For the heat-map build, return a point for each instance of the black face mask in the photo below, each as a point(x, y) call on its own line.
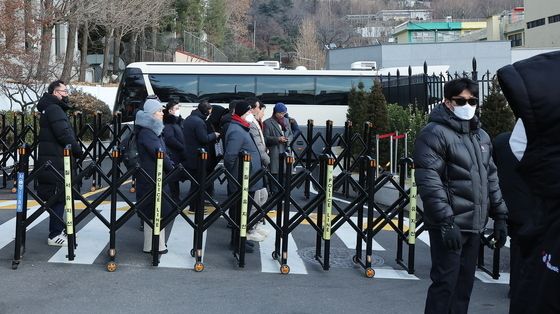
point(65, 100)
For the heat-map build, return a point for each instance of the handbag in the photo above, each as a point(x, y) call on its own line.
point(219, 148)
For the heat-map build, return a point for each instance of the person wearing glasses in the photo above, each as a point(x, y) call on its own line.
point(55, 134)
point(458, 183)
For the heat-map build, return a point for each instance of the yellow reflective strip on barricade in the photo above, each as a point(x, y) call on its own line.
point(68, 202)
point(244, 198)
point(328, 204)
point(412, 212)
point(159, 185)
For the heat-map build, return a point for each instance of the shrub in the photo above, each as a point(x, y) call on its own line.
point(495, 114)
point(357, 106)
point(89, 105)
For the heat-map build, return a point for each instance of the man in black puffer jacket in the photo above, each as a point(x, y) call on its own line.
point(458, 184)
point(531, 88)
point(54, 134)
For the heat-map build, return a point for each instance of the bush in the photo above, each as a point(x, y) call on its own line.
point(89, 105)
point(495, 114)
point(7, 131)
point(407, 119)
point(357, 106)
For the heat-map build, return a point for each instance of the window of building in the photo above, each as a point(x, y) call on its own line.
point(516, 40)
point(535, 23)
point(554, 19)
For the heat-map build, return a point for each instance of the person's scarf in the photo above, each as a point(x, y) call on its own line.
point(241, 121)
point(282, 122)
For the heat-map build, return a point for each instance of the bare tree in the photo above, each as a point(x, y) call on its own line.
point(237, 17)
point(121, 17)
point(51, 13)
point(308, 49)
point(332, 27)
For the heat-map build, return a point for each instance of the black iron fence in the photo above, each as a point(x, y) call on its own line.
point(350, 173)
point(426, 90)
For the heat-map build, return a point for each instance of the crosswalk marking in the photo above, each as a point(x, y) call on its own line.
point(8, 229)
point(179, 244)
point(269, 265)
point(484, 277)
point(91, 239)
point(390, 273)
point(348, 235)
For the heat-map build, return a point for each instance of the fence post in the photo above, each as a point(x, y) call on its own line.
point(412, 222)
point(115, 154)
point(284, 268)
point(398, 85)
point(409, 84)
point(199, 211)
point(425, 87)
point(157, 207)
point(347, 155)
point(243, 204)
point(69, 202)
point(21, 206)
point(474, 74)
point(328, 186)
point(328, 137)
point(371, 177)
point(308, 157)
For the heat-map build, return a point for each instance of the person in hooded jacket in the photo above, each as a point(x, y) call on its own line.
point(531, 89)
point(196, 136)
point(174, 140)
point(149, 128)
point(458, 183)
point(54, 135)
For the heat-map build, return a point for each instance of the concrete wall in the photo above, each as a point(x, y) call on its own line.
point(490, 55)
point(547, 35)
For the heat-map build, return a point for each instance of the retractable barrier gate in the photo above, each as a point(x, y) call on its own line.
point(329, 164)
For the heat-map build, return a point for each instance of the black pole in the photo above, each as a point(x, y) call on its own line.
point(309, 156)
point(21, 206)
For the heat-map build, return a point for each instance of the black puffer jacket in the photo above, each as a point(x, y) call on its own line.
point(54, 134)
point(455, 173)
point(195, 132)
point(535, 98)
point(173, 137)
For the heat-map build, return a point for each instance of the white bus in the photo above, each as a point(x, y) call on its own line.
point(308, 94)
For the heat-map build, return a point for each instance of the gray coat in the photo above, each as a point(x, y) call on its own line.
point(238, 139)
point(255, 132)
point(272, 131)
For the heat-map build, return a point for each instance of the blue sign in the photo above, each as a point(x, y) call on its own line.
point(20, 188)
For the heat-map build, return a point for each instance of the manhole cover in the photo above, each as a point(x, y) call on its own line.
point(339, 257)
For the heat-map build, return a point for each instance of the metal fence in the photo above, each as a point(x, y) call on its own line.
point(351, 173)
point(426, 90)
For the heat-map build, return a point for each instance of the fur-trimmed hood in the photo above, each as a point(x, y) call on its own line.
point(148, 121)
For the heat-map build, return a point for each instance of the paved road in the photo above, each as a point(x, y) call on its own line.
point(46, 282)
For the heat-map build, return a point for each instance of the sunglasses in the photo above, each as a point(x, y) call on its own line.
point(460, 101)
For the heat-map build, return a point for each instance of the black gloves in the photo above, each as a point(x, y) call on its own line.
point(451, 234)
point(500, 231)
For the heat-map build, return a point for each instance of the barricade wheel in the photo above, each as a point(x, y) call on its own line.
point(15, 265)
point(111, 266)
point(355, 259)
point(92, 189)
point(132, 190)
point(192, 252)
point(370, 272)
point(14, 190)
point(198, 267)
point(285, 269)
point(274, 255)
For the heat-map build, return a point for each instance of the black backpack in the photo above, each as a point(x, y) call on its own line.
point(129, 151)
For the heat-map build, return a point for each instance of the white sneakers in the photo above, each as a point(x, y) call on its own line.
point(259, 228)
point(59, 240)
point(252, 235)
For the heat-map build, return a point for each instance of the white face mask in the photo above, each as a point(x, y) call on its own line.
point(250, 118)
point(465, 112)
point(177, 113)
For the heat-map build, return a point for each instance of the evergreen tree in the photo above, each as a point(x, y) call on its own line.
point(215, 23)
point(495, 114)
point(357, 106)
point(377, 113)
point(189, 16)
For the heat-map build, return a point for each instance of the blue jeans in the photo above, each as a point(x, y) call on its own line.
point(56, 224)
